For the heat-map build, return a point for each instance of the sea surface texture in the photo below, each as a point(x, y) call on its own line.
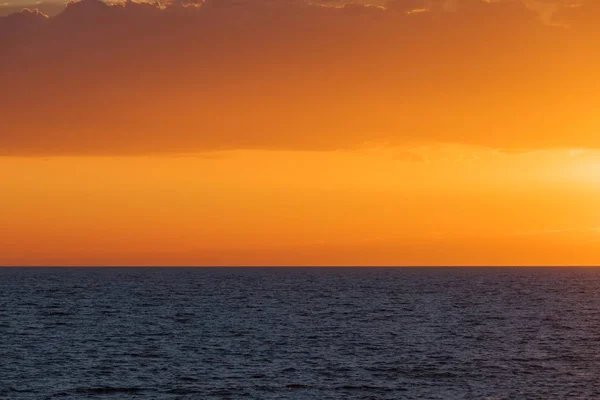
point(299, 333)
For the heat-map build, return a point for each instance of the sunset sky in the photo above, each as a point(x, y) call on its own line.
point(291, 132)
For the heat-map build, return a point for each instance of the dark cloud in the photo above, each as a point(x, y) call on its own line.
point(223, 74)
point(9, 8)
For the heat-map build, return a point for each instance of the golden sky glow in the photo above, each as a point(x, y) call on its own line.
point(287, 133)
point(378, 206)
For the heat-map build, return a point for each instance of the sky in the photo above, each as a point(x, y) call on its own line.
point(287, 132)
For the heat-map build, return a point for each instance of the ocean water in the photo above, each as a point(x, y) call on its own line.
point(299, 333)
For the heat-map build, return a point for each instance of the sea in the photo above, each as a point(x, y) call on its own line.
point(299, 333)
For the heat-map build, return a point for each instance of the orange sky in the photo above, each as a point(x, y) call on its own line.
point(286, 133)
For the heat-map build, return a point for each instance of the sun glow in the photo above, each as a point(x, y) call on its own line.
point(385, 205)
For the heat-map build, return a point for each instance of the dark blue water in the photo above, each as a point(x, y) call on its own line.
point(299, 333)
